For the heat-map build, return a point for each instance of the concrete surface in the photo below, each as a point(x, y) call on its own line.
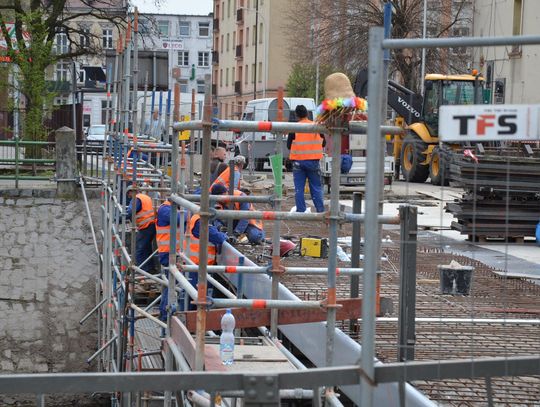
point(512, 259)
point(47, 284)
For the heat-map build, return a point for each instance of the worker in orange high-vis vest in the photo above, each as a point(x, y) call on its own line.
point(145, 221)
point(251, 228)
point(306, 151)
point(225, 177)
point(163, 238)
point(215, 241)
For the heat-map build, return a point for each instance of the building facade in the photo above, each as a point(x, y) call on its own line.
point(249, 52)
point(511, 72)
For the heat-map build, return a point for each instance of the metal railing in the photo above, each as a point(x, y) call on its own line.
point(27, 160)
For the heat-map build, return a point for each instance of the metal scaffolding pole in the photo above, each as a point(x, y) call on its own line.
point(372, 240)
point(203, 227)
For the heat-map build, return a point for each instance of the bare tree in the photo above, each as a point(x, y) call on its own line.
point(338, 32)
point(46, 32)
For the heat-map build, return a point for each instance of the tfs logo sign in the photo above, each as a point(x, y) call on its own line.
point(504, 124)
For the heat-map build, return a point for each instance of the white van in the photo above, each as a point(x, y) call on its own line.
point(264, 142)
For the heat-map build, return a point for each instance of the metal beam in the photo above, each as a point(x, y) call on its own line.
point(455, 369)
point(252, 318)
point(460, 42)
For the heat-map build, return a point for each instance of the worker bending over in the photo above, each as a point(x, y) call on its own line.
point(145, 217)
point(163, 238)
point(251, 228)
point(225, 177)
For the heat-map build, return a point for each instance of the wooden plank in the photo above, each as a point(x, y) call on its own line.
point(351, 308)
point(183, 339)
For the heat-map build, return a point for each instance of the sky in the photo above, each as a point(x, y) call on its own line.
point(200, 7)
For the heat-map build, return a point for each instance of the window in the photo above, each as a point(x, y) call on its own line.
point(254, 35)
point(84, 37)
point(246, 76)
point(517, 28)
point(223, 10)
point(163, 28)
point(200, 86)
point(183, 85)
point(252, 73)
point(62, 71)
point(107, 38)
point(222, 44)
point(247, 37)
point(260, 33)
point(184, 28)
point(220, 78)
point(460, 32)
point(204, 29)
point(204, 59)
point(228, 38)
point(145, 27)
point(234, 40)
point(183, 58)
point(228, 8)
point(259, 79)
point(227, 77)
point(233, 77)
point(61, 43)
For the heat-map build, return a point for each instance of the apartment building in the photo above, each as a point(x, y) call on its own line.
point(511, 72)
point(249, 52)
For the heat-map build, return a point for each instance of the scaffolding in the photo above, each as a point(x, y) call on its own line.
point(133, 161)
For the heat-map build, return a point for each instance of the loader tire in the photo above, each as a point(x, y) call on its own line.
point(412, 157)
point(439, 167)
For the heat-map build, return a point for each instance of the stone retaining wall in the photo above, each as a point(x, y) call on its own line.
point(48, 270)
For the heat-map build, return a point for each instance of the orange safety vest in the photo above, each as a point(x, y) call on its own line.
point(306, 146)
point(194, 244)
point(255, 222)
point(146, 216)
point(225, 178)
point(163, 235)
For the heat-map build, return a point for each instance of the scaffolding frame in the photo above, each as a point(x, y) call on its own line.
point(118, 273)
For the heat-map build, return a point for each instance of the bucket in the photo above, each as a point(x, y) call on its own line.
point(455, 280)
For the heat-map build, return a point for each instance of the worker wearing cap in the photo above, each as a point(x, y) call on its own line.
point(145, 221)
point(306, 150)
point(163, 237)
point(225, 176)
point(251, 228)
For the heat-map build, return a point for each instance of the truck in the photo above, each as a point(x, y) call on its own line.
point(262, 144)
point(355, 145)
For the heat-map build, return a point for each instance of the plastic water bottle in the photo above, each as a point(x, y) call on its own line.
point(226, 340)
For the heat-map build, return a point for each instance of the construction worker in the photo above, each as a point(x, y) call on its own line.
point(224, 177)
point(145, 221)
point(219, 157)
point(215, 240)
point(251, 228)
point(306, 152)
point(163, 236)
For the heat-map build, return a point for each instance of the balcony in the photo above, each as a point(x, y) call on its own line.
point(238, 87)
point(215, 57)
point(216, 24)
point(239, 16)
point(239, 53)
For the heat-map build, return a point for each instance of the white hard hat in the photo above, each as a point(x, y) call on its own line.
point(240, 159)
